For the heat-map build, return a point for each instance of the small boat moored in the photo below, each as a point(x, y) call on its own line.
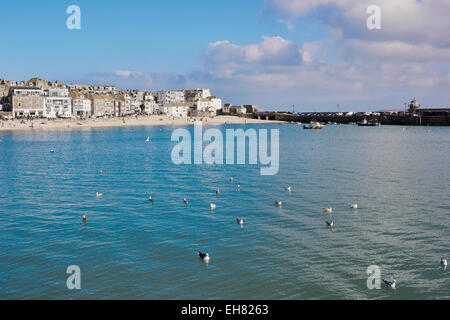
point(365, 123)
point(314, 126)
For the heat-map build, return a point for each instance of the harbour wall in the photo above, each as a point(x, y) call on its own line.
point(383, 119)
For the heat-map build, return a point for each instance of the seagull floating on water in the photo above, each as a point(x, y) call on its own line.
point(390, 283)
point(204, 256)
point(186, 202)
point(148, 139)
point(150, 199)
point(239, 187)
point(99, 195)
point(330, 223)
point(212, 206)
point(84, 219)
point(52, 151)
point(240, 221)
point(218, 191)
point(279, 203)
point(354, 206)
point(328, 210)
point(288, 188)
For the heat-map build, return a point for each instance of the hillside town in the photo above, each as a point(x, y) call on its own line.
point(38, 98)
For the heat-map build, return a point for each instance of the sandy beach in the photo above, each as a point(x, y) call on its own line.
point(153, 120)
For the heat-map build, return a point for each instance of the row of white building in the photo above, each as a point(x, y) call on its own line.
point(36, 99)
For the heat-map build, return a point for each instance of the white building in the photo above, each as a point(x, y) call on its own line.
point(135, 104)
point(100, 89)
point(176, 109)
point(169, 97)
point(57, 103)
point(151, 107)
point(226, 108)
point(81, 104)
point(210, 104)
point(241, 110)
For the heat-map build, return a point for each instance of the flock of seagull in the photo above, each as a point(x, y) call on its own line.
point(206, 257)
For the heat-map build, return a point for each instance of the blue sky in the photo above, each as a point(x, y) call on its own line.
point(140, 35)
point(273, 53)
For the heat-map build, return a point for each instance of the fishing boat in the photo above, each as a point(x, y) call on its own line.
point(314, 125)
point(365, 123)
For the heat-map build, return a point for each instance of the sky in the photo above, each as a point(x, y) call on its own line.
point(278, 54)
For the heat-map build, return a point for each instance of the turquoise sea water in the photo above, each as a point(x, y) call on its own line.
point(130, 249)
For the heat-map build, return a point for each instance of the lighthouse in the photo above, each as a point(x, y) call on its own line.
point(414, 107)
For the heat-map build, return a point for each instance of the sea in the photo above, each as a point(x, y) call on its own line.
point(133, 249)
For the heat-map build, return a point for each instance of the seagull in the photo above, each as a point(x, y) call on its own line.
point(354, 206)
point(240, 221)
point(204, 256)
point(212, 206)
point(186, 202)
point(288, 188)
point(52, 151)
point(443, 262)
point(239, 187)
point(328, 210)
point(150, 199)
point(390, 283)
point(218, 191)
point(99, 195)
point(279, 203)
point(84, 219)
point(330, 223)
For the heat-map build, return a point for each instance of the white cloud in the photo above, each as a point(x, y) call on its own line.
point(272, 50)
point(128, 73)
point(396, 51)
point(410, 55)
point(411, 21)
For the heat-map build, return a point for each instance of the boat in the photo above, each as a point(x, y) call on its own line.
point(314, 125)
point(365, 123)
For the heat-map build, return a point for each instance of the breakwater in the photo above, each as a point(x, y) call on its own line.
point(383, 119)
